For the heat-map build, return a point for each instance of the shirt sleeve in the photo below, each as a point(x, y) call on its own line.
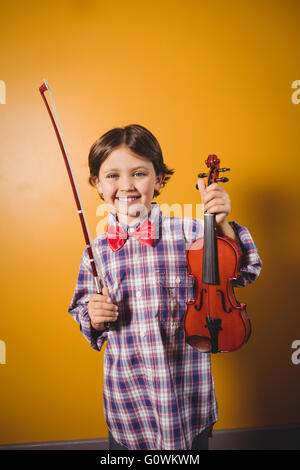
point(251, 263)
point(85, 287)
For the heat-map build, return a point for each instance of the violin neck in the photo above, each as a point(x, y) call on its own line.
point(210, 269)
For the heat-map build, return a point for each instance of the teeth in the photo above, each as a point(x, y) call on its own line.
point(127, 199)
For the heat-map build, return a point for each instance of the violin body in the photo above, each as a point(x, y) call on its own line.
point(215, 321)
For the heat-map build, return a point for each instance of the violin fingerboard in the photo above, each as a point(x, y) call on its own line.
point(210, 269)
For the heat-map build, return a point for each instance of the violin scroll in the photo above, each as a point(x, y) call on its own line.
point(213, 162)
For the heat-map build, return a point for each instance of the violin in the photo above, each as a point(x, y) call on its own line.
point(215, 321)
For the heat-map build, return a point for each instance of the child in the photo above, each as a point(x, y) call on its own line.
point(158, 390)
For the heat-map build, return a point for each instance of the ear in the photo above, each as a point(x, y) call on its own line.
point(96, 183)
point(159, 180)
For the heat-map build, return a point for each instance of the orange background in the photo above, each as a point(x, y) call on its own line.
point(204, 78)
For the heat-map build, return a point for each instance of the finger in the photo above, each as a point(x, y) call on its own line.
point(104, 312)
point(104, 317)
point(215, 187)
point(209, 196)
point(105, 294)
point(104, 306)
point(99, 323)
point(105, 291)
point(101, 301)
point(96, 298)
point(218, 209)
point(201, 188)
point(216, 202)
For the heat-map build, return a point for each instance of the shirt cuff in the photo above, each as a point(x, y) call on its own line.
point(251, 264)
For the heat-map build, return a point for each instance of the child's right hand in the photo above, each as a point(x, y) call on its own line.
point(101, 310)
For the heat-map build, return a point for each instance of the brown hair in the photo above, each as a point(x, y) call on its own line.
point(138, 139)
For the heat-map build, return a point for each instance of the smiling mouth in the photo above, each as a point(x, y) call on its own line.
point(127, 199)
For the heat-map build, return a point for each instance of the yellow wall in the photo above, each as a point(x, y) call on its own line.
point(204, 77)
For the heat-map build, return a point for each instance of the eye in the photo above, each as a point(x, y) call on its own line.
point(139, 173)
point(112, 175)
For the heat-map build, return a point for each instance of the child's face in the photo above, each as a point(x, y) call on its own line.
point(127, 182)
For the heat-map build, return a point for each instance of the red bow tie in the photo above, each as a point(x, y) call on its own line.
point(116, 236)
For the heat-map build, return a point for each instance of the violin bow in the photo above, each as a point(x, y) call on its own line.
point(86, 231)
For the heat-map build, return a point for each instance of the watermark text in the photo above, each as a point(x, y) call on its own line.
point(296, 94)
point(2, 352)
point(295, 358)
point(2, 92)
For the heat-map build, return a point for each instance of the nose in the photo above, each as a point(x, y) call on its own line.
point(126, 184)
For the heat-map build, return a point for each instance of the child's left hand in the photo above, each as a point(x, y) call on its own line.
point(216, 201)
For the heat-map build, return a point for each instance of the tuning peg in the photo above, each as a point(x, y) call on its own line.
point(221, 180)
point(224, 169)
point(202, 175)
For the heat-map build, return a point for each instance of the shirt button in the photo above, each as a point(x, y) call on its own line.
point(136, 257)
point(149, 372)
point(143, 332)
point(177, 280)
point(139, 294)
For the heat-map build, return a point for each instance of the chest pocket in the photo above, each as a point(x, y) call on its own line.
point(116, 283)
point(176, 288)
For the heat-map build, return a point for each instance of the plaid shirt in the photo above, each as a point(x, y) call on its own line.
point(158, 390)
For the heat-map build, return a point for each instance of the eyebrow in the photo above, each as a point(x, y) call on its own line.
point(135, 168)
